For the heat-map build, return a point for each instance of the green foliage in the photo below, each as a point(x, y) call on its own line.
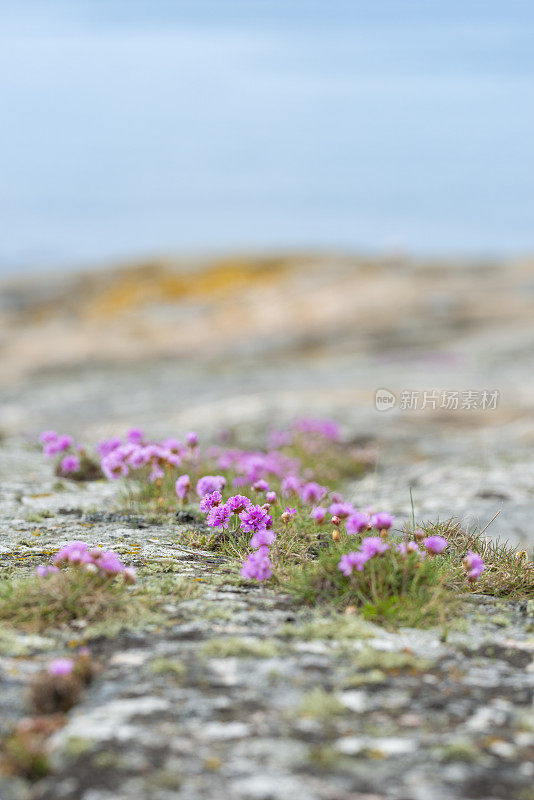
point(105, 606)
point(508, 572)
point(390, 590)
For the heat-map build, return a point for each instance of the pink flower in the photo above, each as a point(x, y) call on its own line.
point(61, 667)
point(271, 498)
point(341, 510)
point(381, 521)
point(257, 566)
point(291, 485)
point(374, 546)
point(254, 519)
point(47, 437)
point(73, 553)
point(435, 544)
point(135, 435)
point(70, 464)
point(260, 486)
point(109, 563)
point(183, 486)
point(210, 501)
point(407, 547)
point(474, 565)
point(351, 560)
point(210, 483)
point(156, 474)
point(191, 439)
point(312, 492)
point(57, 444)
point(43, 571)
point(108, 445)
point(326, 428)
point(218, 517)
point(129, 574)
point(113, 464)
point(356, 523)
point(262, 537)
point(238, 503)
point(318, 514)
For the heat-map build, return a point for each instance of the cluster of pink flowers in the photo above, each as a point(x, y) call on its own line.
point(326, 428)
point(253, 466)
point(371, 546)
point(56, 443)
point(104, 563)
point(120, 458)
point(251, 518)
point(434, 545)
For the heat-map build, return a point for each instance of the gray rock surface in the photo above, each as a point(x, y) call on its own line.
point(238, 698)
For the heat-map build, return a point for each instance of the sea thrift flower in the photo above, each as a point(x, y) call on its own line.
point(174, 445)
point(210, 501)
point(312, 492)
point(210, 483)
point(356, 523)
point(109, 563)
point(381, 521)
point(435, 544)
point(374, 546)
point(156, 474)
point(130, 575)
point(351, 560)
point(291, 485)
point(474, 565)
point(113, 465)
point(341, 510)
point(404, 548)
point(238, 503)
point(191, 439)
point(327, 428)
point(135, 435)
point(43, 571)
point(254, 519)
point(183, 486)
point(106, 446)
point(218, 517)
point(257, 566)
point(260, 486)
point(48, 436)
point(271, 497)
point(318, 514)
point(64, 442)
point(263, 537)
point(57, 445)
point(61, 667)
point(70, 464)
point(73, 553)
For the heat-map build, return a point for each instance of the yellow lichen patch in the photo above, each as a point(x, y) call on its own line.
point(138, 287)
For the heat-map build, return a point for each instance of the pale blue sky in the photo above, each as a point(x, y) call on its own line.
point(137, 128)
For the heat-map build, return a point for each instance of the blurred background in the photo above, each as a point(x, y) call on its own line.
point(229, 211)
